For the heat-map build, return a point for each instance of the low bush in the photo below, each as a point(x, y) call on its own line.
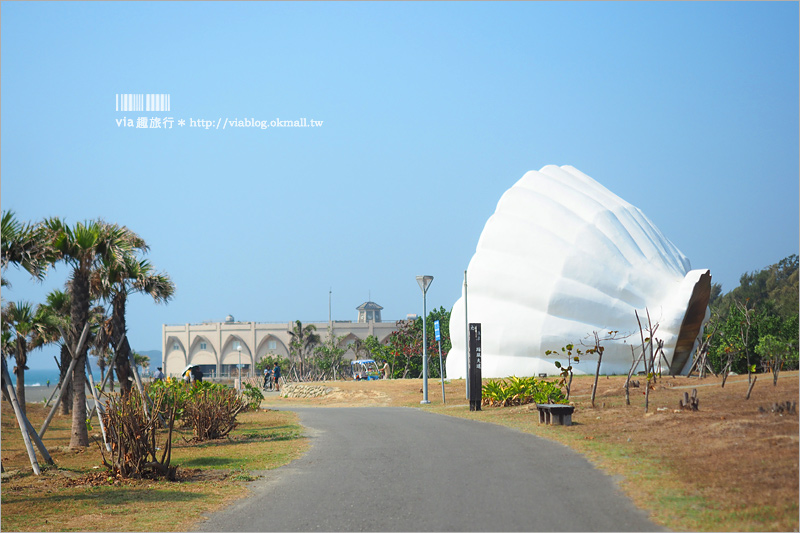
point(177, 393)
point(134, 438)
point(520, 391)
point(252, 397)
point(212, 411)
point(181, 393)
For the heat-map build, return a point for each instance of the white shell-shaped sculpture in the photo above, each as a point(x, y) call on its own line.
point(563, 257)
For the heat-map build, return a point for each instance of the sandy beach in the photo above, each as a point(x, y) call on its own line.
point(38, 393)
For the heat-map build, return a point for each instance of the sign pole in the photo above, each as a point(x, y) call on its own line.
point(475, 367)
point(441, 367)
point(466, 336)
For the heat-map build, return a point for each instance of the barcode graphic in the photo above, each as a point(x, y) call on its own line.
point(143, 102)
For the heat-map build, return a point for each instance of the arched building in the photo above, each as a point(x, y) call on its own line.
point(215, 346)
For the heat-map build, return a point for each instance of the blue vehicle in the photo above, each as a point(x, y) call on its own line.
point(365, 369)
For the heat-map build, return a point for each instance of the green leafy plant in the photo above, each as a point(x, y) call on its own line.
point(520, 391)
point(253, 396)
point(242, 475)
point(175, 395)
point(269, 360)
point(566, 371)
point(184, 397)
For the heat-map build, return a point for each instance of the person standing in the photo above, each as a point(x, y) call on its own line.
point(276, 375)
point(159, 375)
point(386, 370)
point(267, 379)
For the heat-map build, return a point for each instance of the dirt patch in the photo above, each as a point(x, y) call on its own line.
point(360, 397)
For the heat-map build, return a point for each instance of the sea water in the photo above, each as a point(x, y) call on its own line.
point(37, 377)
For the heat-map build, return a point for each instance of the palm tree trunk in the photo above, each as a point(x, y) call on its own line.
point(20, 373)
point(79, 437)
point(101, 364)
point(66, 358)
point(124, 372)
point(21, 358)
point(123, 351)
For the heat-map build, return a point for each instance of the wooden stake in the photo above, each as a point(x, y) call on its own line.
point(97, 404)
point(6, 379)
point(67, 377)
point(145, 398)
point(35, 436)
point(111, 364)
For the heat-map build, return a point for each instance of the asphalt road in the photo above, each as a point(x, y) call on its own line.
point(402, 469)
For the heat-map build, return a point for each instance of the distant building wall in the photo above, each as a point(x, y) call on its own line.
point(214, 345)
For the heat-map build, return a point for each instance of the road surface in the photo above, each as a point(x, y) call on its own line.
point(403, 469)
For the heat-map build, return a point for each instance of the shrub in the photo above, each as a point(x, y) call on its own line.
point(520, 391)
point(134, 438)
point(177, 393)
point(252, 396)
point(212, 411)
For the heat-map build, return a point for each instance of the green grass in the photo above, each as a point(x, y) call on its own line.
point(264, 441)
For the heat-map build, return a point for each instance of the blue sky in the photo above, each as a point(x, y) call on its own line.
point(430, 112)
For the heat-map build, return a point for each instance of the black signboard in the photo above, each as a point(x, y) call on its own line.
point(475, 385)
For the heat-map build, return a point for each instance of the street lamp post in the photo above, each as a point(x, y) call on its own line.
point(239, 347)
point(424, 283)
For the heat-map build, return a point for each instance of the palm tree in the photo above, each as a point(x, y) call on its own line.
point(100, 336)
point(304, 338)
point(114, 281)
point(83, 247)
point(140, 359)
point(25, 325)
point(59, 304)
point(22, 245)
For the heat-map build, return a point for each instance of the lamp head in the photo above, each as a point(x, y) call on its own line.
point(424, 282)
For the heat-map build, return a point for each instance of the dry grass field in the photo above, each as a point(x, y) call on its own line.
point(726, 467)
point(78, 494)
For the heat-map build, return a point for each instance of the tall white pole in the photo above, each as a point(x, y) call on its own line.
point(239, 347)
point(424, 283)
point(424, 350)
point(466, 335)
point(441, 372)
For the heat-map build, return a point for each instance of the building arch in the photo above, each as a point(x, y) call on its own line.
point(385, 339)
point(204, 357)
point(230, 355)
point(175, 357)
point(200, 355)
point(349, 339)
point(265, 347)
